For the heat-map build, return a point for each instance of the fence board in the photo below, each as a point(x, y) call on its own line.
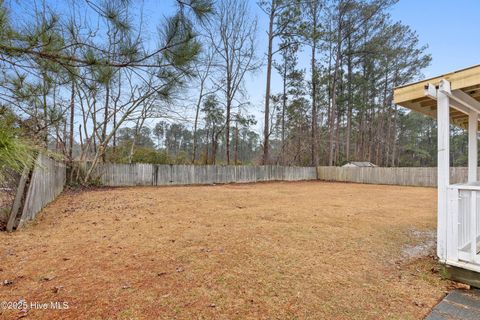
point(145, 174)
point(423, 177)
point(47, 182)
point(18, 200)
point(112, 174)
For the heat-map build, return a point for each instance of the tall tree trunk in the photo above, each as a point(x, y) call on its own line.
point(284, 107)
point(195, 124)
point(214, 147)
point(114, 139)
point(57, 138)
point(132, 149)
point(394, 137)
point(266, 128)
point(335, 80)
point(136, 136)
point(349, 100)
point(337, 139)
point(105, 121)
point(313, 66)
point(115, 105)
point(72, 122)
point(45, 112)
point(236, 144)
point(383, 135)
point(313, 146)
point(227, 131)
point(206, 147)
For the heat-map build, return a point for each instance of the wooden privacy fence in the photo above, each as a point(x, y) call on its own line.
point(424, 177)
point(111, 174)
point(45, 184)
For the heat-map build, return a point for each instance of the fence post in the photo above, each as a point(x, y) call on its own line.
point(18, 199)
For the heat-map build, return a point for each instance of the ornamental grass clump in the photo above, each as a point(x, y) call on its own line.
point(15, 153)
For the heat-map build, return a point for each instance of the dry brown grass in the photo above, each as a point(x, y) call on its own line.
point(306, 250)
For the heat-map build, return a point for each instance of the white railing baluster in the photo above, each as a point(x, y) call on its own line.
point(473, 226)
point(453, 246)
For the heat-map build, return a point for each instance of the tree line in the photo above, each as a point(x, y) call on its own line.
point(94, 80)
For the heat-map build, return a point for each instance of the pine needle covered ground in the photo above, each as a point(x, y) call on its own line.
point(303, 250)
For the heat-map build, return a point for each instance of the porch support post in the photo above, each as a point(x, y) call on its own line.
point(472, 146)
point(443, 166)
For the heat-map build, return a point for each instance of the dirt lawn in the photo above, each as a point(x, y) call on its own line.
point(303, 250)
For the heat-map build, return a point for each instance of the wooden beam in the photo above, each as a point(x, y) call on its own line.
point(460, 79)
point(467, 100)
point(429, 103)
point(462, 275)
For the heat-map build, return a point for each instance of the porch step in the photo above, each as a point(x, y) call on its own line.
point(458, 305)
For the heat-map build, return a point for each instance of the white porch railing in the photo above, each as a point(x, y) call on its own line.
point(463, 225)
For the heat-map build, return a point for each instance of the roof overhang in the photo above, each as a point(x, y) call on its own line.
point(463, 84)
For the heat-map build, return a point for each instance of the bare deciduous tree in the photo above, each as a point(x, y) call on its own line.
point(232, 34)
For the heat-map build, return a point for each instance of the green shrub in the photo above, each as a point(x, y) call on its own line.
point(15, 152)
